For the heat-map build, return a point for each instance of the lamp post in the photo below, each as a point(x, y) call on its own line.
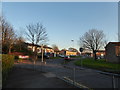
point(43, 55)
point(74, 66)
point(73, 43)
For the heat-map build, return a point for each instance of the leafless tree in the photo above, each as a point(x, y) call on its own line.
point(93, 40)
point(8, 35)
point(36, 33)
point(55, 48)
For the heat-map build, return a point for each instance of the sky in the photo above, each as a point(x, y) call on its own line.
point(64, 21)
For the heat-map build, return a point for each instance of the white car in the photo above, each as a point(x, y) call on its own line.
point(62, 56)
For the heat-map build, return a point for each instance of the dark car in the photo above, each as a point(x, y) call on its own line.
point(44, 56)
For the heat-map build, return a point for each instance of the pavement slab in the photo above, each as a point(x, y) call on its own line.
point(24, 78)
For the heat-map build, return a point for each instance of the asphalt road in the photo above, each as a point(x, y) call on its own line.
point(84, 76)
point(87, 77)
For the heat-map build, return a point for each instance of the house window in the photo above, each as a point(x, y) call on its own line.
point(117, 50)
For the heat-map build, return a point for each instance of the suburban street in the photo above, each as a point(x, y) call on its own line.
point(82, 77)
point(60, 45)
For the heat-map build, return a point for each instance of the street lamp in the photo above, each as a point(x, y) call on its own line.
point(73, 43)
point(42, 54)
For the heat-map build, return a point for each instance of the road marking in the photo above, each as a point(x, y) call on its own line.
point(75, 83)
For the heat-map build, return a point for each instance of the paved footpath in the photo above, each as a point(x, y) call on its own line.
point(85, 77)
point(28, 78)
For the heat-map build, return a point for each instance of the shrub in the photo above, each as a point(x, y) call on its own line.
point(16, 57)
point(7, 64)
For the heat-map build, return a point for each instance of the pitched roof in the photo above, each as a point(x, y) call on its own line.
point(116, 43)
point(38, 45)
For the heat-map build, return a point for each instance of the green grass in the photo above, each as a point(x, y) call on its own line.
point(55, 57)
point(100, 64)
point(75, 56)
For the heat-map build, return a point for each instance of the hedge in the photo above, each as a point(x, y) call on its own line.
point(7, 64)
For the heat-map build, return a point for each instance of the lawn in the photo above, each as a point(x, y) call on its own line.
point(55, 57)
point(100, 64)
point(75, 56)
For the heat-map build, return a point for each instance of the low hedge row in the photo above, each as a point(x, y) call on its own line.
point(7, 64)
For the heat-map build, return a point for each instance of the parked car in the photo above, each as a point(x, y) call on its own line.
point(67, 58)
point(62, 56)
point(44, 56)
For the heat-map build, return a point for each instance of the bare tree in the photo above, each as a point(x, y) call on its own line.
point(55, 48)
point(93, 40)
point(36, 33)
point(8, 35)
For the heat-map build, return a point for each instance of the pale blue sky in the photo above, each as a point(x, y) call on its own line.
point(65, 21)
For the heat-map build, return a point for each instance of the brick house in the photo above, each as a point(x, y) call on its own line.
point(112, 51)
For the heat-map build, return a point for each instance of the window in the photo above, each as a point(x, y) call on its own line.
point(117, 50)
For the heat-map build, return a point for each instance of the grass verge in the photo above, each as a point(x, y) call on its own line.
point(55, 57)
point(100, 64)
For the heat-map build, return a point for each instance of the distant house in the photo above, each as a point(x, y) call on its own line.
point(87, 53)
point(113, 52)
point(47, 50)
point(100, 54)
point(68, 53)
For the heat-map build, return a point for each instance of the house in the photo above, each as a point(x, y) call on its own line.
point(100, 54)
point(87, 53)
point(113, 52)
point(47, 50)
point(68, 53)
point(32, 47)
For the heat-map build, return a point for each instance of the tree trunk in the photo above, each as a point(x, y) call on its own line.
point(95, 56)
point(35, 53)
point(10, 49)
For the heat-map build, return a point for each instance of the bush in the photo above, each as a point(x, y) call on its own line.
point(16, 57)
point(7, 64)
